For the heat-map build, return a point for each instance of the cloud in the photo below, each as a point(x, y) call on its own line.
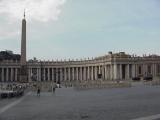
point(11, 13)
point(5, 34)
point(36, 10)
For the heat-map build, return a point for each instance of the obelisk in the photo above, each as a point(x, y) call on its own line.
point(23, 42)
point(23, 69)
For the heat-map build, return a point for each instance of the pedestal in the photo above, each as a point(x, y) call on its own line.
point(23, 74)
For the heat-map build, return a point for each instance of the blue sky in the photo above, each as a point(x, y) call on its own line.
point(85, 28)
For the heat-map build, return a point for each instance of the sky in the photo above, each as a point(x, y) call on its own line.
point(75, 29)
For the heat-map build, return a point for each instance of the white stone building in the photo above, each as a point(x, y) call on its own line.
point(118, 66)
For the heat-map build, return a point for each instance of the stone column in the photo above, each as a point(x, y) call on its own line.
point(73, 75)
point(152, 69)
point(56, 74)
point(37, 74)
point(127, 71)
point(52, 74)
point(2, 74)
point(108, 68)
point(69, 74)
point(65, 77)
point(44, 74)
point(29, 74)
point(60, 74)
point(144, 70)
point(85, 77)
point(48, 74)
point(80, 73)
point(136, 70)
point(88, 73)
point(77, 78)
point(120, 71)
point(155, 69)
point(11, 74)
point(40, 73)
point(7, 74)
point(115, 72)
point(95, 72)
point(91, 72)
point(37, 71)
point(133, 70)
point(105, 71)
point(16, 74)
point(111, 72)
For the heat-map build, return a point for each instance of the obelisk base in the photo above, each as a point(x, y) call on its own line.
point(23, 74)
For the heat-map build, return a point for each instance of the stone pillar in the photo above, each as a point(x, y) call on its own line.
point(2, 74)
point(12, 75)
point(30, 71)
point(133, 70)
point(44, 74)
point(88, 77)
point(56, 75)
point(37, 75)
point(136, 70)
point(40, 73)
point(69, 74)
point(48, 74)
point(16, 72)
point(80, 73)
point(61, 74)
point(65, 77)
point(115, 72)
point(108, 71)
point(29, 74)
point(127, 71)
point(91, 72)
point(152, 69)
point(120, 71)
point(155, 69)
point(111, 72)
point(85, 77)
point(144, 70)
point(77, 78)
point(52, 74)
point(7, 74)
point(73, 75)
point(95, 73)
point(105, 72)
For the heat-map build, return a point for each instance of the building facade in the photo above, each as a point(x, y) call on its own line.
point(114, 66)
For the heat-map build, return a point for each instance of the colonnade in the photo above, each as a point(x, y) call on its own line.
point(115, 71)
point(9, 74)
point(65, 73)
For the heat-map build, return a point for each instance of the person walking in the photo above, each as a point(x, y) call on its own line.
point(38, 91)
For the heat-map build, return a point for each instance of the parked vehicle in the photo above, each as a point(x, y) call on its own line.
point(148, 78)
point(136, 78)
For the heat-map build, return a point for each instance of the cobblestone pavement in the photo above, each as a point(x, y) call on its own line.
point(94, 104)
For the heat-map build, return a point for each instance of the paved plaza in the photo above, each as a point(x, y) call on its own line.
point(94, 104)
